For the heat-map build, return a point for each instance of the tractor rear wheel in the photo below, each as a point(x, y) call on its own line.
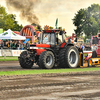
point(25, 61)
point(62, 63)
point(46, 60)
point(71, 57)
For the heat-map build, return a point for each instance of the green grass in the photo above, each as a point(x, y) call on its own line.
point(41, 71)
point(8, 58)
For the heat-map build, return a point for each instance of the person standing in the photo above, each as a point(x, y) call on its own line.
point(2, 44)
point(83, 47)
point(21, 45)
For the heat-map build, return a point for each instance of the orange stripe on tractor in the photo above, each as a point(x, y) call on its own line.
point(43, 45)
point(39, 51)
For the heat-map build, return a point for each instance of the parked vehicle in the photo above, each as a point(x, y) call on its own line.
point(95, 58)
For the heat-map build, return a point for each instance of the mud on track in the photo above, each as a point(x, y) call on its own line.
point(65, 86)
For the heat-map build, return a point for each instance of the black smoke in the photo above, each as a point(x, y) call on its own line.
point(26, 9)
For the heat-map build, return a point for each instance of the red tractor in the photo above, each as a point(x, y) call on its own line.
point(52, 50)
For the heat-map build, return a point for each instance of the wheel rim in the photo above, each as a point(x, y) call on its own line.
point(49, 60)
point(26, 59)
point(72, 58)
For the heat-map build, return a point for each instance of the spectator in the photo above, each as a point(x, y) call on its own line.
point(21, 46)
point(27, 44)
point(16, 45)
point(83, 47)
point(2, 44)
point(8, 44)
point(11, 44)
point(94, 48)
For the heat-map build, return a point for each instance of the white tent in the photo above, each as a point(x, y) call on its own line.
point(11, 35)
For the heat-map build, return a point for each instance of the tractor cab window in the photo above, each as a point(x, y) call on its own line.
point(59, 39)
point(49, 38)
point(46, 38)
point(52, 38)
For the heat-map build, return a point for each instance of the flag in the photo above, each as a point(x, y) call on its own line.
point(56, 23)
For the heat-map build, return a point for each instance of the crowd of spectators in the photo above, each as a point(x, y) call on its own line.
point(83, 46)
point(20, 45)
point(86, 47)
point(13, 44)
point(94, 47)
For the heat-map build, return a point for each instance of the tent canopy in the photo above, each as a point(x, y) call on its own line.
point(11, 35)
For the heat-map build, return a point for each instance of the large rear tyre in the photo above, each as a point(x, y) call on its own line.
point(62, 63)
point(46, 60)
point(25, 61)
point(71, 57)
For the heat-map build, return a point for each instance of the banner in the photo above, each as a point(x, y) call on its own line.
point(16, 52)
point(8, 52)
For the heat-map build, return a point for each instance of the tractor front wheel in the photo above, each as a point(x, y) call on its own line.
point(46, 60)
point(25, 61)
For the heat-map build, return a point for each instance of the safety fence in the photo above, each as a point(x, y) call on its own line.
point(9, 52)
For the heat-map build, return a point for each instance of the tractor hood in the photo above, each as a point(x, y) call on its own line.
point(43, 45)
point(39, 46)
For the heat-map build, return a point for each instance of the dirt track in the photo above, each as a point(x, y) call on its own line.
point(12, 65)
point(66, 86)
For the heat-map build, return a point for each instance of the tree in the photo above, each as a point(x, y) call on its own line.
point(87, 21)
point(8, 21)
point(51, 27)
point(38, 27)
point(79, 21)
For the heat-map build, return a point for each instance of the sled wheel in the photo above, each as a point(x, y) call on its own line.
point(90, 62)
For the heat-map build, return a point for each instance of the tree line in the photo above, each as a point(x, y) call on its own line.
point(87, 21)
point(8, 21)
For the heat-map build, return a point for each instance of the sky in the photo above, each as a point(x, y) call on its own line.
point(47, 11)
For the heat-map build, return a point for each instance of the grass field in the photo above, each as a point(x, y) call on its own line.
point(8, 58)
point(42, 71)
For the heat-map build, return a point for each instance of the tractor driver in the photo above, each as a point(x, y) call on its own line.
point(46, 39)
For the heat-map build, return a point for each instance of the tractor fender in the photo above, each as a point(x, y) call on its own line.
point(64, 45)
point(68, 44)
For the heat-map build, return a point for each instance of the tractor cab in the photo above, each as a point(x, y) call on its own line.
point(52, 37)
